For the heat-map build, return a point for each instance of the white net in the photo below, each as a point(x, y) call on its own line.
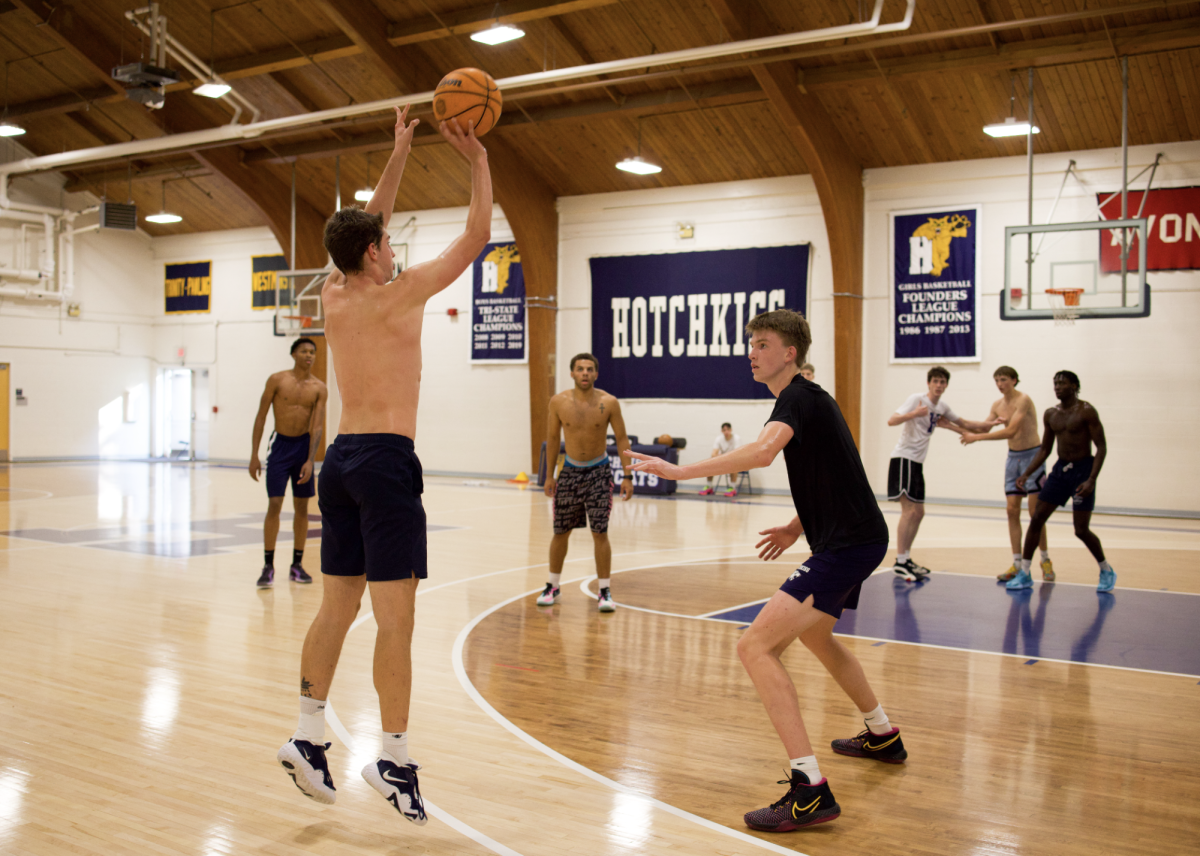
point(1064, 303)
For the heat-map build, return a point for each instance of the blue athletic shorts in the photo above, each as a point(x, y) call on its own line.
point(284, 459)
point(1015, 466)
point(834, 578)
point(1064, 479)
point(372, 519)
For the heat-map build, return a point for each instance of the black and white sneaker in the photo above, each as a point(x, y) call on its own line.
point(305, 763)
point(911, 571)
point(398, 784)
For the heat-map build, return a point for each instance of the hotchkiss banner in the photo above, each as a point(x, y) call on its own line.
point(262, 281)
point(673, 325)
point(935, 286)
point(498, 306)
point(188, 287)
point(1173, 230)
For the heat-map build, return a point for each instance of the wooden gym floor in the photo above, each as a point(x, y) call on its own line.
point(145, 684)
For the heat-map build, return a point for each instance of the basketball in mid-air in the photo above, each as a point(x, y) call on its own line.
point(468, 95)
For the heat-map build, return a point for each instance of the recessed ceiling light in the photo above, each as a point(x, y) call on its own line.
point(499, 34)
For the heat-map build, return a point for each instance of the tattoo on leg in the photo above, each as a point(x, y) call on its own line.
point(305, 687)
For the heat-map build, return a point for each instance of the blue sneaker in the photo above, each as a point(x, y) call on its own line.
point(305, 763)
point(1021, 581)
point(1108, 579)
point(398, 785)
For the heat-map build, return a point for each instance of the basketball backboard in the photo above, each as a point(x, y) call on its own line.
point(298, 302)
point(1087, 256)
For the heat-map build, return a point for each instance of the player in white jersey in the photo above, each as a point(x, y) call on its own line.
point(725, 443)
point(919, 414)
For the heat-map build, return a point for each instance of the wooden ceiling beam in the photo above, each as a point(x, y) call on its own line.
point(69, 31)
point(151, 172)
point(365, 25)
point(838, 179)
point(482, 17)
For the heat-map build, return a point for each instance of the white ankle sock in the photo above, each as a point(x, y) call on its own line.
point(395, 747)
point(1025, 563)
point(602, 584)
point(312, 720)
point(1105, 566)
point(877, 720)
point(555, 579)
point(902, 557)
point(1045, 555)
point(808, 766)
point(1016, 560)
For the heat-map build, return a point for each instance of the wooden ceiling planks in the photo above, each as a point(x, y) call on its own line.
point(933, 113)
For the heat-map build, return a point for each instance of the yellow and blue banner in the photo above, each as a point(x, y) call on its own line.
point(935, 286)
point(262, 281)
point(498, 329)
point(187, 287)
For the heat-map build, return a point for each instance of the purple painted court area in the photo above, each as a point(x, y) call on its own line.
point(1153, 630)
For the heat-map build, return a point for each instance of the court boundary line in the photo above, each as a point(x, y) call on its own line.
point(483, 704)
point(441, 814)
point(583, 587)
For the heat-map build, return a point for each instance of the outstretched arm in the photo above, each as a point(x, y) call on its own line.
point(383, 200)
point(900, 418)
point(760, 453)
point(428, 278)
point(260, 422)
point(1008, 431)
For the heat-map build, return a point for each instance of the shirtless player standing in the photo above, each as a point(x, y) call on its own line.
point(1076, 425)
point(1016, 411)
point(373, 524)
point(298, 399)
point(584, 487)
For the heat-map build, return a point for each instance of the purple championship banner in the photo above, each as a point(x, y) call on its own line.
point(935, 286)
point(498, 330)
point(672, 325)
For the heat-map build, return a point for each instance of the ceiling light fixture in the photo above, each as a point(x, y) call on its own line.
point(497, 34)
point(162, 216)
point(7, 128)
point(367, 192)
point(212, 89)
point(639, 165)
point(1010, 127)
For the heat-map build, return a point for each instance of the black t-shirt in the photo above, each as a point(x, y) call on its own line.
point(829, 486)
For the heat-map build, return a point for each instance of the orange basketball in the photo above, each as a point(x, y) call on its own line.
point(665, 440)
point(468, 95)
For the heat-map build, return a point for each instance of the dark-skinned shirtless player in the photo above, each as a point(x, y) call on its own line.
point(582, 492)
point(298, 400)
point(1075, 424)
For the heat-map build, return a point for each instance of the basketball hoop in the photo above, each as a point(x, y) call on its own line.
point(1064, 303)
point(306, 320)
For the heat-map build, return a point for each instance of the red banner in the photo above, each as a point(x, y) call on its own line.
point(1173, 228)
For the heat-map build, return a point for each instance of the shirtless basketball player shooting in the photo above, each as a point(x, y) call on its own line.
point(584, 487)
point(373, 524)
point(1016, 412)
point(298, 400)
point(1076, 426)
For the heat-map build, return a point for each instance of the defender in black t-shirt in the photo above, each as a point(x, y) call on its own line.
point(837, 512)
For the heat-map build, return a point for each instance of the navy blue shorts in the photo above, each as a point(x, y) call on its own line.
point(372, 520)
point(284, 459)
point(834, 578)
point(1064, 479)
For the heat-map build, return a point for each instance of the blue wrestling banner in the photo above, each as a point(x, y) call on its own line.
point(187, 287)
point(673, 325)
point(935, 286)
point(498, 306)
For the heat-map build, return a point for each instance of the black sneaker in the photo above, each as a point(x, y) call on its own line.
point(911, 571)
point(888, 748)
point(398, 784)
point(268, 577)
point(297, 574)
point(305, 763)
point(803, 805)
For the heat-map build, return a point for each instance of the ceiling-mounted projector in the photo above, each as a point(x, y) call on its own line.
point(143, 73)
